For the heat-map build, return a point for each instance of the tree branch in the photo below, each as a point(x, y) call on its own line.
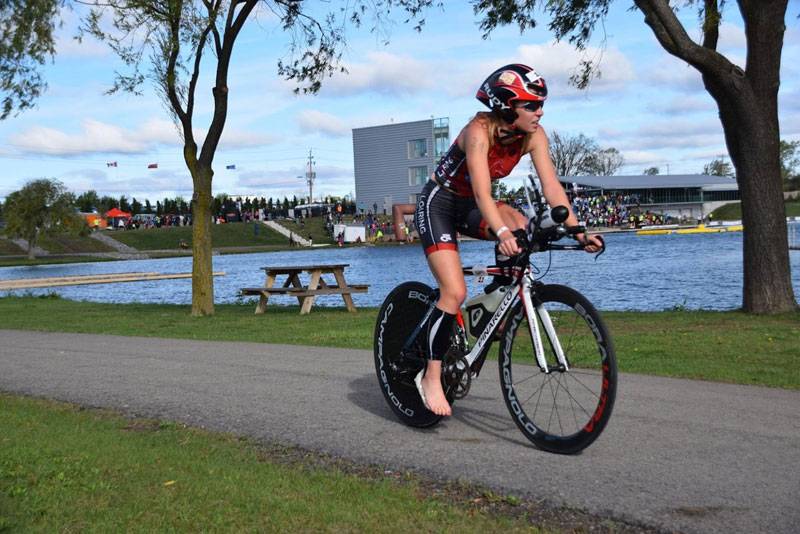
point(711, 24)
point(232, 28)
point(673, 37)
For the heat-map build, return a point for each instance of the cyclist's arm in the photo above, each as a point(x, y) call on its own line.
point(476, 147)
point(551, 188)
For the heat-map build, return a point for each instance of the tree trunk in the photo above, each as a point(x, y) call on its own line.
point(748, 107)
point(755, 155)
point(202, 277)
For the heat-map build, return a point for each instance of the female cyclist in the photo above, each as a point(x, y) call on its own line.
point(458, 198)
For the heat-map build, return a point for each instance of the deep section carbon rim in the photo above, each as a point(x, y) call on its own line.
point(400, 313)
point(560, 411)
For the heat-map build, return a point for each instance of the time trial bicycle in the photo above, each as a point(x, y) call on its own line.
point(558, 370)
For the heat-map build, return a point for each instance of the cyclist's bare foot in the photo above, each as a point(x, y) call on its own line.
point(434, 394)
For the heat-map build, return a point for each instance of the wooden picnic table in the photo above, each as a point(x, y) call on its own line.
point(305, 294)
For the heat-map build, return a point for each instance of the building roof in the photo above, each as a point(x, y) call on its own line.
point(658, 181)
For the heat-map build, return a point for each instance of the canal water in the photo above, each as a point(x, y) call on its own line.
point(648, 273)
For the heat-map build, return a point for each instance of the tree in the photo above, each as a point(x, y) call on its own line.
point(651, 171)
point(26, 42)
point(88, 202)
point(106, 203)
point(747, 100)
point(790, 161)
point(604, 162)
point(718, 167)
point(571, 155)
point(180, 36)
point(124, 205)
point(136, 206)
point(41, 207)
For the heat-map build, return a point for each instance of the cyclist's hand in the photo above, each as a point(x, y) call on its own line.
point(591, 243)
point(508, 244)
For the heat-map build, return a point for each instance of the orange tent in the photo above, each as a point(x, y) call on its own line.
point(116, 213)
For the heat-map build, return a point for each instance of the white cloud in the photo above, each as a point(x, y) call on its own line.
point(732, 37)
point(383, 73)
point(289, 181)
point(686, 105)
point(670, 73)
point(97, 137)
point(676, 134)
point(557, 61)
point(312, 121)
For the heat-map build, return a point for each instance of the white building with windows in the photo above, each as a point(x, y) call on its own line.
point(393, 161)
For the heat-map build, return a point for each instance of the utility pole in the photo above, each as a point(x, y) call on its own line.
point(310, 176)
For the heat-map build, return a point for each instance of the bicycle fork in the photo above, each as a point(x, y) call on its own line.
point(531, 311)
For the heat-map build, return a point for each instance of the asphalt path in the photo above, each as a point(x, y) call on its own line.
point(681, 455)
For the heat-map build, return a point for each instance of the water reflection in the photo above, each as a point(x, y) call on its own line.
point(697, 271)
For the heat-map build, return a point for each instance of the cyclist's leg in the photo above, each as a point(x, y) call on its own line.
point(475, 226)
point(435, 217)
point(446, 268)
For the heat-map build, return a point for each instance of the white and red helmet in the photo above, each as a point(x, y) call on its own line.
point(509, 84)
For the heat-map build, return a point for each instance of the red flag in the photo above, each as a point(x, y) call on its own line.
point(153, 166)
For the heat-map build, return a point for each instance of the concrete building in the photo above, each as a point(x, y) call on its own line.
point(393, 161)
point(679, 195)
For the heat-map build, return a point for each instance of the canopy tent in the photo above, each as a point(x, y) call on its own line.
point(116, 213)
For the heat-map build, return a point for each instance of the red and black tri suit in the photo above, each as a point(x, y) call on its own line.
point(447, 203)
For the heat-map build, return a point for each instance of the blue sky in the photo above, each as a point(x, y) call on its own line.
point(647, 104)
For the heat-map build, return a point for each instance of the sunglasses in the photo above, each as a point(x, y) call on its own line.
point(533, 106)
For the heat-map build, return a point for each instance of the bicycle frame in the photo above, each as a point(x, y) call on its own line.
point(524, 286)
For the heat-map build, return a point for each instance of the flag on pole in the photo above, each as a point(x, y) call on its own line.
point(230, 167)
point(153, 166)
point(111, 164)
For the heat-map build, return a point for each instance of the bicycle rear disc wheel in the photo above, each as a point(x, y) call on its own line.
point(399, 315)
point(560, 411)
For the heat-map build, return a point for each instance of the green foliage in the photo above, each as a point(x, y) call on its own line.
point(790, 161)
point(41, 207)
point(651, 171)
point(26, 42)
point(718, 167)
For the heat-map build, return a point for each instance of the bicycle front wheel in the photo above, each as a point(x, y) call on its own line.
point(562, 411)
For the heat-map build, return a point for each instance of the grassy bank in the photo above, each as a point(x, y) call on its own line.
point(66, 469)
point(721, 346)
point(9, 248)
point(733, 211)
point(11, 261)
point(222, 235)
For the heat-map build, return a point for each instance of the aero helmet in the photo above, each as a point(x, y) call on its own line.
point(510, 84)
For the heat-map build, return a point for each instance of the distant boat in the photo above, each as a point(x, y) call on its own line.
point(699, 229)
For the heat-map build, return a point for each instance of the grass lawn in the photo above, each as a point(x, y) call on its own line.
point(65, 244)
point(9, 248)
point(720, 346)
point(733, 211)
point(222, 235)
point(48, 260)
point(67, 469)
point(57, 244)
point(313, 226)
